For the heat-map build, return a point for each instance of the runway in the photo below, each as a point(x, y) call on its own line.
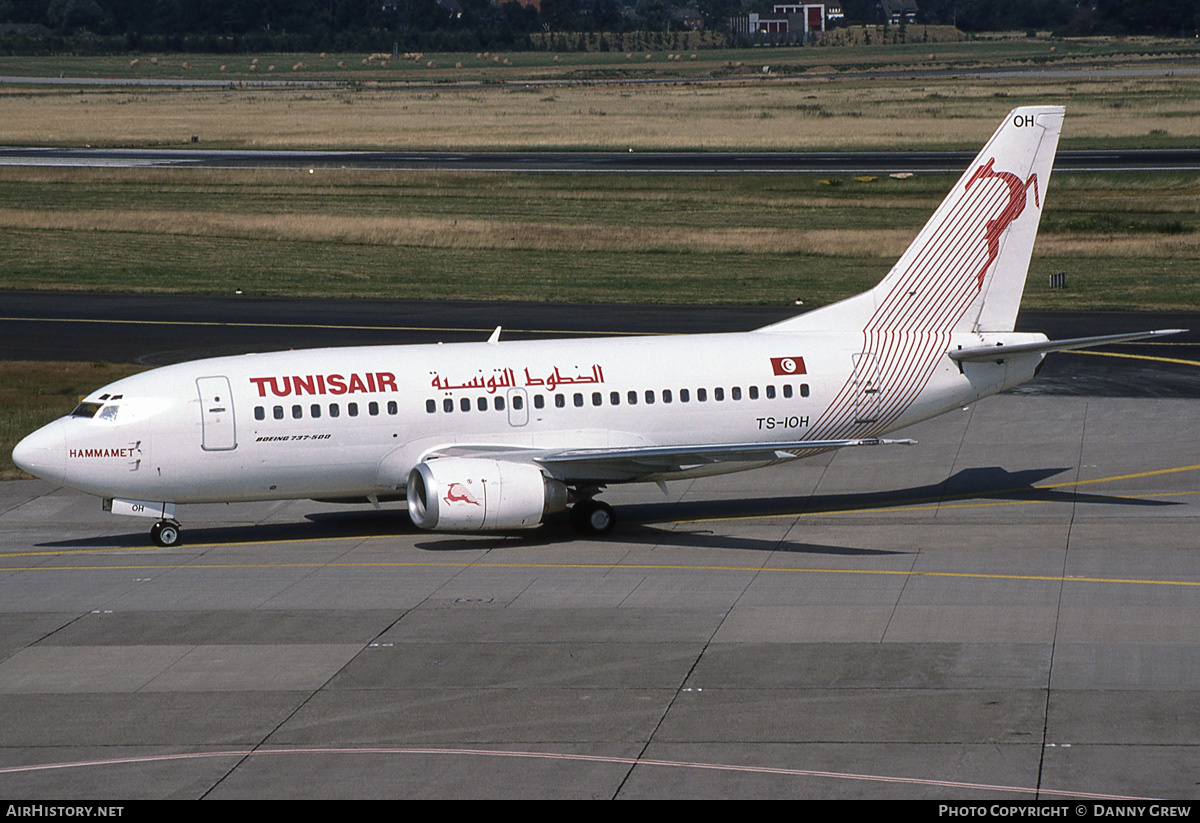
point(1004, 612)
point(595, 162)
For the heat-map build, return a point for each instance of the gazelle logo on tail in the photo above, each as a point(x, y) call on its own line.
point(1018, 195)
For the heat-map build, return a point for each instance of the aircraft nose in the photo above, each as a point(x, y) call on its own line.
point(43, 453)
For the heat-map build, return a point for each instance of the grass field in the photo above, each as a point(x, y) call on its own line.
point(813, 98)
point(1125, 241)
point(766, 115)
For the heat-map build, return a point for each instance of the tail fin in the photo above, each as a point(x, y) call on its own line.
point(966, 270)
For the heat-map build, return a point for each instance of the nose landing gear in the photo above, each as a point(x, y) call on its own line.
point(165, 533)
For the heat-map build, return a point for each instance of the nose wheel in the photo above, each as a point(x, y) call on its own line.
point(165, 533)
point(593, 517)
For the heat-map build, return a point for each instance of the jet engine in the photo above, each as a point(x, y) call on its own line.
point(478, 494)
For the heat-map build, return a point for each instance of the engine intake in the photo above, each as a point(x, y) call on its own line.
point(478, 494)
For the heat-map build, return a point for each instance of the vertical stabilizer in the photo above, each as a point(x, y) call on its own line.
point(966, 269)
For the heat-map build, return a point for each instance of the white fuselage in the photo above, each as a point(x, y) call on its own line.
point(351, 423)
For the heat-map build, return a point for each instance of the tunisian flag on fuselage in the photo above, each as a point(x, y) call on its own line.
point(787, 365)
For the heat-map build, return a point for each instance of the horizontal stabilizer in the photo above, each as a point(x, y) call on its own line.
point(999, 351)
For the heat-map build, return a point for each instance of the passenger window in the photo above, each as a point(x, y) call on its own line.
point(518, 402)
point(684, 396)
point(614, 398)
point(372, 408)
point(701, 395)
point(597, 398)
point(632, 398)
point(430, 406)
point(447, 405)
point(770, 392)
point(464, 404)
point(334, 410)
point(352, 408)
point(278, 412)
point(393, 407)
point(481, 404)
point(315, 410)
point(499, 403)
point(260, 413)
point(560, 401)
point(718, 394)
point(649, 397)
point(578, 399)
point(736, 392)
point(297, 412)
point(666, 395)
point(753, 392)
point(787, 390)
point(804, 390)
point(539, 402)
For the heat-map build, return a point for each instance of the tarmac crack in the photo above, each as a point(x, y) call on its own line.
point(1058, 606)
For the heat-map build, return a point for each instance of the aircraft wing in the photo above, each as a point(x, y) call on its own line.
point(632, 462)
point(999, 352)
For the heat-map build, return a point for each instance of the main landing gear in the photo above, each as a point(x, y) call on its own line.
point(165, 533)
point(593, 517)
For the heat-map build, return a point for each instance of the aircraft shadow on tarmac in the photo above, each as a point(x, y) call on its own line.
point(639, 522)
point(990, 483)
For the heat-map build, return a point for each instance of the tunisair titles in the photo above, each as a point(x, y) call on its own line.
point(298, 384)
point(499, 378)
point(506, 379)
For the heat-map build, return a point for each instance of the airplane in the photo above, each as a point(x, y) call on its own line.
point(499, 435)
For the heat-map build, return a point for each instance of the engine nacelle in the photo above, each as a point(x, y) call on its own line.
point(478, 494)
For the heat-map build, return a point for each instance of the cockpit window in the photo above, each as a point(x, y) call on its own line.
point(86, 409)
point(109, 412)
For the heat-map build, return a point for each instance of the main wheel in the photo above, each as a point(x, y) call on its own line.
point(165, 533)
point(593, 517)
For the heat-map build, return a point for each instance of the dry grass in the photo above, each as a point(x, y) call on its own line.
point(748, 114)
point(1175, 247)
point(458, 233)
